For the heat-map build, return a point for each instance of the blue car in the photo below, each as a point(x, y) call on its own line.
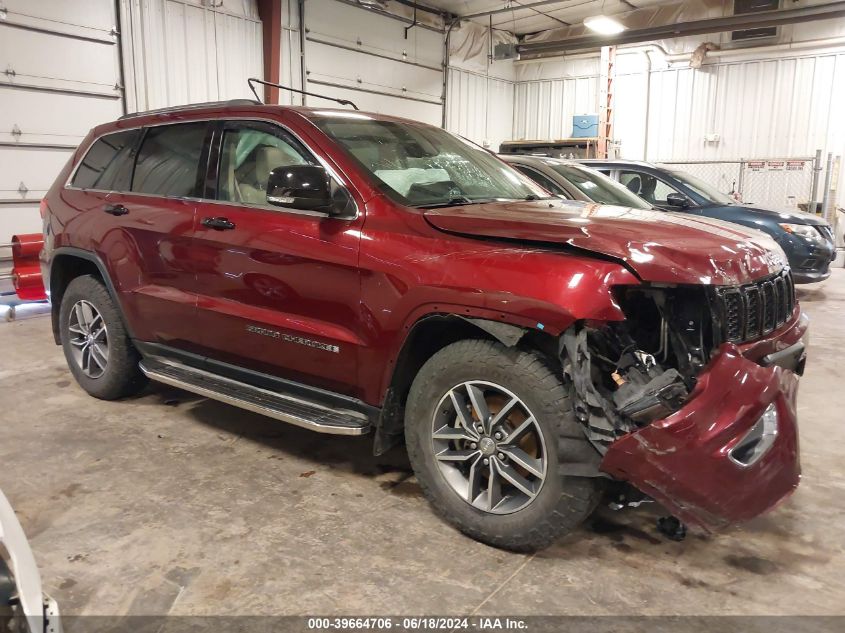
point(806, 239)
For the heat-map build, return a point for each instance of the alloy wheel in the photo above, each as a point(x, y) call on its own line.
point(489, 447)
point(89, 339)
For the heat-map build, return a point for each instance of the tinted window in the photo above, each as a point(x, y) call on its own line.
point(598, 187)
point(108, 164)
point(169, 159)
point(543, 181)
point(246, 159)
point(703, 189)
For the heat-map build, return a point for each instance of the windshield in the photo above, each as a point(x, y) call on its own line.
point(424, 166)
point(703, 189)
point(598, 187)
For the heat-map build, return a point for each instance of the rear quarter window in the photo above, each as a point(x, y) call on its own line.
point(169, 160)
point(107, 165)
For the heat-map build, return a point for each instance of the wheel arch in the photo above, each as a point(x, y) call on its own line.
point(427, 336)
point(66, 264)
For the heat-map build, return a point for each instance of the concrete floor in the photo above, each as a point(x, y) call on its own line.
point(172, 504)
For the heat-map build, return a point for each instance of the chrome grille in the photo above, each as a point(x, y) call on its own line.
point(769, 306)
point(753, 310)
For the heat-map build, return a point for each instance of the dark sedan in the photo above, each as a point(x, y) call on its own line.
point(806, 239)
point(572, 181)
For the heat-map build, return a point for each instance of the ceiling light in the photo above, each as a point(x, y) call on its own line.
point(604, 25)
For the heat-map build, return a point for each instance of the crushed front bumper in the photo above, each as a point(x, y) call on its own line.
point(685, 460)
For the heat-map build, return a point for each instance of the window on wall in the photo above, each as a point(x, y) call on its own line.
point(108, 164)
point(169, 160)
point(755, 6)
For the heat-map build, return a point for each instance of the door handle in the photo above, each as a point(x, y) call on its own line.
point(218, 224)
point(115, 209)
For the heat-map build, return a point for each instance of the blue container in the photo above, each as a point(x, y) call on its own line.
point(585, 126)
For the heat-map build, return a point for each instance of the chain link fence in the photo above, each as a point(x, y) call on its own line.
point(777, 183)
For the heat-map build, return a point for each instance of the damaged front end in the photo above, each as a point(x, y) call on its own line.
point(681, 400)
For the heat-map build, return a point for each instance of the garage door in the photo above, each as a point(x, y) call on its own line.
point(355, 54)
point(59, 76)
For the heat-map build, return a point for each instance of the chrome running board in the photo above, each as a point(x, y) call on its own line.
point(279, 406)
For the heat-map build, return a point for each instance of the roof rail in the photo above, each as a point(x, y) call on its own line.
point(191, 106)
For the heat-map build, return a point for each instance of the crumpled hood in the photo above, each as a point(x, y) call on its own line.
point(661, 247)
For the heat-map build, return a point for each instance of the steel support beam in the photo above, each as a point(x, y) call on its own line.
point(270, 12)
point(696, 27)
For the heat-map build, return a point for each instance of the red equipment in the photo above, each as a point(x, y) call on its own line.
point(26, 274)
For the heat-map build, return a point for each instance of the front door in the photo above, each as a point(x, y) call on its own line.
point(279, 291)
point(650, 188)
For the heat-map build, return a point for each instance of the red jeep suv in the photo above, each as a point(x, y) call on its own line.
point(354, 273)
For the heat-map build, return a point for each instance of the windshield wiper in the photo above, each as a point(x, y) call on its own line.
point(452, 202)
point(463, 200)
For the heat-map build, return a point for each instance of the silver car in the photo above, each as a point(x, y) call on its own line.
point(573, 181)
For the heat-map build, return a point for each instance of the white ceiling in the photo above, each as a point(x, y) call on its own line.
point(520, 20)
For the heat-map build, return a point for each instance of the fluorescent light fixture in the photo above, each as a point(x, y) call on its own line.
point(604, 25)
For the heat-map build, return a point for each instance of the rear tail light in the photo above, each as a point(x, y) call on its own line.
point(43, 208)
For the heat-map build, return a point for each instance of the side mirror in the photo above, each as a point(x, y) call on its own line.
point(300, 187)
point(678, 200)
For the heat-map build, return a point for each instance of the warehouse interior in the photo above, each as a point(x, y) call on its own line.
point(170, 503)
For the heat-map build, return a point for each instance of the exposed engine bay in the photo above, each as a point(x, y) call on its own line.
point(628, 374)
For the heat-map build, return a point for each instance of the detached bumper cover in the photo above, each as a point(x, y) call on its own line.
point(683, 460)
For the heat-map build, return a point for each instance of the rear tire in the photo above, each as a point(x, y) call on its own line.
point(98, 349)
point(529, 503)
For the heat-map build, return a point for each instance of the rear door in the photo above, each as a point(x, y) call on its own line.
point(279, 288)
point(152, 255)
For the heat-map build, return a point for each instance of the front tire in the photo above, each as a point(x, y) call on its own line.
point(484, 428)
point(97, 348)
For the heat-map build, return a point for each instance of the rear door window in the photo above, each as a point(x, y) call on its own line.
point(169, 161)
point(107, 166)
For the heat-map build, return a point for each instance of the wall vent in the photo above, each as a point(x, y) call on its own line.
point(742, 7)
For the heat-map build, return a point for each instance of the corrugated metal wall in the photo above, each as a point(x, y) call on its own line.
point(481, 91)
point(480, 107)
point(782, 107)
point(181, 51)
point(555, 102)
point(786, 106)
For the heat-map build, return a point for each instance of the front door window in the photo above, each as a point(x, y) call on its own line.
point(247, 157)
point(648, 187)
